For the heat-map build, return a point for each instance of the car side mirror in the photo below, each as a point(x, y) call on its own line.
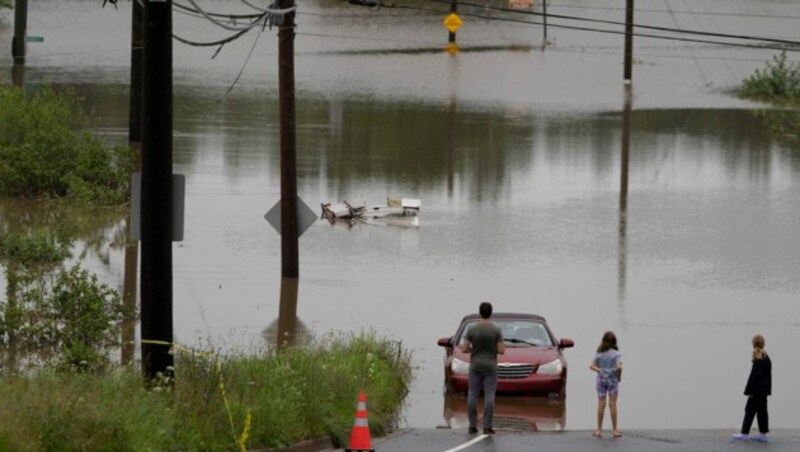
point(566, 343)
point(445, 342)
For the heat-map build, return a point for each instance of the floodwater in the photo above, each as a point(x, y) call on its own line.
point(678, 232)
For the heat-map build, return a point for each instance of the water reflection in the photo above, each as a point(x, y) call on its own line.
point(622, 268)
point(517, 413)
point(18, 75)
point(287, 329)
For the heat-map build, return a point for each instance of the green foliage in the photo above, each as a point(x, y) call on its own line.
point(73, 318)
point(43, 152)
point(71, 412)
point(216, 404)
point(778, 82)
point(782, 124)
point(5, 4)
point(37, 250)
point(49, 312)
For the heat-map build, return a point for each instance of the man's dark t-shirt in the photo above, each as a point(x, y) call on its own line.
point(483, 338)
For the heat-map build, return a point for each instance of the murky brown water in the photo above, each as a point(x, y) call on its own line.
point(517, 156)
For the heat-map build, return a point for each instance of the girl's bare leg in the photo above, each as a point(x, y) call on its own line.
point(612, 406)
point(601, 408)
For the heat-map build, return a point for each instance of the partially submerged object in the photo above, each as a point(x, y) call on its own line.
point(395, 209)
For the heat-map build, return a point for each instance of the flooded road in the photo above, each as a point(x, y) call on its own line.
point(681, 235)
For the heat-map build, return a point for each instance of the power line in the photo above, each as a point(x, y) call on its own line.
point(646, 27)
point(598, 30)
point(663, 11)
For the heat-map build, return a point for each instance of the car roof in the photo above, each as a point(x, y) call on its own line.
point(506, 315)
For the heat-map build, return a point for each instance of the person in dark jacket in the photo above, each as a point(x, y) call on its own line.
point(759, 386)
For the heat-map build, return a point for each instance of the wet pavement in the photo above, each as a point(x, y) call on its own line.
point(445, 440)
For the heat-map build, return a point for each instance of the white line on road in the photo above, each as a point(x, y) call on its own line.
point(468, 443)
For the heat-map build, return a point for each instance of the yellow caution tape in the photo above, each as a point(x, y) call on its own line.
point(240, 440)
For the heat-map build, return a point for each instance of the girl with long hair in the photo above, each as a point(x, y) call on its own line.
point(758, 387)
point(608, 365)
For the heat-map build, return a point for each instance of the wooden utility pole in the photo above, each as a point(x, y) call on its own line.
point(156, 199)
point(135, 142)
point(628, 40)
point(451, 37)
point(544, 21)
point(289, 227)
point(20, 29)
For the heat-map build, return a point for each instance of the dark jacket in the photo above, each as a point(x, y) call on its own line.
point(760, 380)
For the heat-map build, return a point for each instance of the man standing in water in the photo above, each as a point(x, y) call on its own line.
point(484, 341)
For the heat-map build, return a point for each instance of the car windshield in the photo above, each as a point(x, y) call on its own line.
point(516, 331)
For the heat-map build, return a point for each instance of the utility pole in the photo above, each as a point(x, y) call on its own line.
point(544, 21)
point(135, 142)
point(156, 200)
point(289, 229)
point(628, 40)
point(20, 29)
point(451, 37)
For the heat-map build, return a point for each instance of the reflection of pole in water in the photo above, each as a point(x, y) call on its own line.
point(451, 119)
point(287, 329)
point(287, 313)
point(623, 194)
point(450, 140)
point(18, 75)
point(129, 291)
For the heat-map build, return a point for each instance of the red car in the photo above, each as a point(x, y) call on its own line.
point(532, 364)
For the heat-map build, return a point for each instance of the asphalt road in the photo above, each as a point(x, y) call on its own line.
point(445, 440)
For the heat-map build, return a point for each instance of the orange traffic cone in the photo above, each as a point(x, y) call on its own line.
point(359, 438)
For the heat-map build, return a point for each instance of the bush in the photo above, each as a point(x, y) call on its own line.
point(51, 312)
point(778, 82)
point(44, 153)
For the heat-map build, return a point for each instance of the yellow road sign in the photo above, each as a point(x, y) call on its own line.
point(452, 22)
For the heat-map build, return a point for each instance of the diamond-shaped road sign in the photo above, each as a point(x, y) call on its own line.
point(305, 217)
point(452, 22)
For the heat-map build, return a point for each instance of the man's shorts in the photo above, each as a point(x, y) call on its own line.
point(606, 385)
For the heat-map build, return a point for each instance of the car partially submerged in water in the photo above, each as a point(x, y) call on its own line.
point(533, 362)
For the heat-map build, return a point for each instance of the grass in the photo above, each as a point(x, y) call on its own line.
point(216, 402)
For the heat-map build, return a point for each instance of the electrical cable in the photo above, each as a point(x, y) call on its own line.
point(646, 10)
point(221, 24)
point(238, 76)
point(229, 16)
point(646, 27)
point(598, 30)
point(220, 43)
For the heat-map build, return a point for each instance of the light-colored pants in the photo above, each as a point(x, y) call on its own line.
point(489, 384)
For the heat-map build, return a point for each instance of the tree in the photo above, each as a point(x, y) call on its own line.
point(44, 151)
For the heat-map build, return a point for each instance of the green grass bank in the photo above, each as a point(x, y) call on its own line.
point(233, 402)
